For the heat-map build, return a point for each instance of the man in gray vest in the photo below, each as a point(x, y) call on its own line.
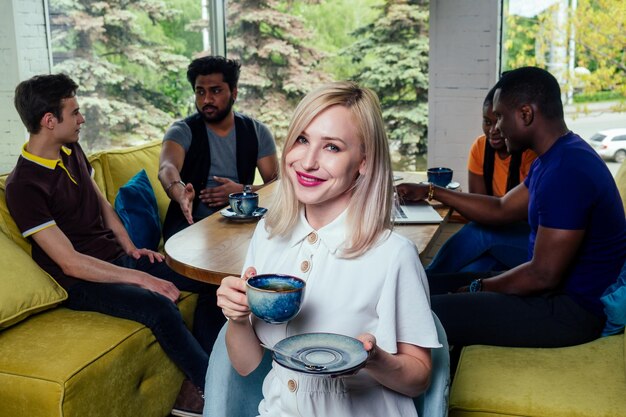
point(214, 152)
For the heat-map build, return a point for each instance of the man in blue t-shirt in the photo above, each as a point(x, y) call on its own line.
point(215, 151)
point(577, 244)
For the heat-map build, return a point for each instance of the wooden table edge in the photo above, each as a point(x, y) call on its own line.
point(198, 274)
point(215, 278)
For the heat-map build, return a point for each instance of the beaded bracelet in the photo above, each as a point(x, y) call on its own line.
point(431, 191)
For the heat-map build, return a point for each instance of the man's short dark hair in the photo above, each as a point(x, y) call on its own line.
point(532, 85)
point(229, 68)
point(42, 94)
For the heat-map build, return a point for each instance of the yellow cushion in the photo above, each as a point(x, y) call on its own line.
point(75, 363)
point(114, 168)
point(7, 225)
point(585, 380)
point(24, 287)
point(620, 179)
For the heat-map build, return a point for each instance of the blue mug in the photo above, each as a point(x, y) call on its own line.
point(275, 298)
point(244, 204)
point(439, 176)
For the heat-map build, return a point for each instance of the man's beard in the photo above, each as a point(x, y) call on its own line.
point(517, 147)
point(220, 115)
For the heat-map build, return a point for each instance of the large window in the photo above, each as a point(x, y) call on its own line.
point(581, 42)
point(129, 58)
point(288, 47)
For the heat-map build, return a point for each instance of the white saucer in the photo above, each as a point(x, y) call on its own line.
point(231, 215)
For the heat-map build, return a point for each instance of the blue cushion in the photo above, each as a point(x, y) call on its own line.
point(136, 205)
point(614, 300)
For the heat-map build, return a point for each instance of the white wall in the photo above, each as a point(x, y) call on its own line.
point(464, 62)
point(23, 53)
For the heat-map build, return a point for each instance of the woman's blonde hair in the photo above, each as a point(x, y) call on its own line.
point(369, 210)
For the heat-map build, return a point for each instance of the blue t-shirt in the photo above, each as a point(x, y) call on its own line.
point(571, 188)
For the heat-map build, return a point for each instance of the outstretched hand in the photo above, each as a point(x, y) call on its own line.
point(185, 200)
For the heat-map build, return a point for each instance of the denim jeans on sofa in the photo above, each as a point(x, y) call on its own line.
point(480, 248)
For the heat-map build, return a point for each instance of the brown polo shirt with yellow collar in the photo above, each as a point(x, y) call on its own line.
point(42, 193)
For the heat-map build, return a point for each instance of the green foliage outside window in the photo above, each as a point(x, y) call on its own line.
point(125, 66)
point(395, 50)
point(130, 56)
point(287, 48)
point(596, 29)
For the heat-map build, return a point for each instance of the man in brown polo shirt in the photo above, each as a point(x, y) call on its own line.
point(78, 239)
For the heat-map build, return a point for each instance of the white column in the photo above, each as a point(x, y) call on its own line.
point(464, 65)
point(217, 27)
point(23, 53)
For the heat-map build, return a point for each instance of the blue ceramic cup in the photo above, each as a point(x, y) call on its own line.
point(275, 298)
point(439, 176)
point(244, 204)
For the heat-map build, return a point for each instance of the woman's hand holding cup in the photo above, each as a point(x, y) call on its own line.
point(231, 297)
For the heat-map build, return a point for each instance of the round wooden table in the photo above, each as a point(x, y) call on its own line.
point(216, 247)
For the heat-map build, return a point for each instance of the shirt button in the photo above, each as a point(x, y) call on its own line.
point(292, 385)
point(312, 238)
point(305, 266)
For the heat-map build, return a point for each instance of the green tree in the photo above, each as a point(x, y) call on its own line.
point(598, 29)
point(332, 25)
point(119, 55)
point(601, 46)
point(394, 49)
point(278, 69)
point(525, 40)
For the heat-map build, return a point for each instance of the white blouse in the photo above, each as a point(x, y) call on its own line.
point(383, 292)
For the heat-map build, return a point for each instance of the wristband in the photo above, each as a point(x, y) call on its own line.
point(171, 184)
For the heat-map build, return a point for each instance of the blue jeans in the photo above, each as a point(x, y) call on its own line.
point(190, 351)
point(478, 248)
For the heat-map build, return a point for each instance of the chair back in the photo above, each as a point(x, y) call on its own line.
point(228, 394)
point(434, 402)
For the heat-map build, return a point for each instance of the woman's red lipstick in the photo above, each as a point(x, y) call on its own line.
point(308, 180)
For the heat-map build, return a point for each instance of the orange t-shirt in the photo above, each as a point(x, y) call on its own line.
point(500, 166)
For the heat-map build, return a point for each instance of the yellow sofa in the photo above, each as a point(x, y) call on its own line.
point(59, 362)
point(585, 380)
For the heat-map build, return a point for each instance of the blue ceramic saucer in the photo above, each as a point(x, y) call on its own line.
point(231, 215)
point(338, 354)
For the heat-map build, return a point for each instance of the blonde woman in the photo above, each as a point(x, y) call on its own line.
point(331, 227)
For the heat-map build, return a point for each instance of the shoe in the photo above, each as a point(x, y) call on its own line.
point(189, 402)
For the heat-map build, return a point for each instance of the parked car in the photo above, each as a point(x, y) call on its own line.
point(610, 144)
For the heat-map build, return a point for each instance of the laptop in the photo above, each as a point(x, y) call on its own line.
point(415, 213)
